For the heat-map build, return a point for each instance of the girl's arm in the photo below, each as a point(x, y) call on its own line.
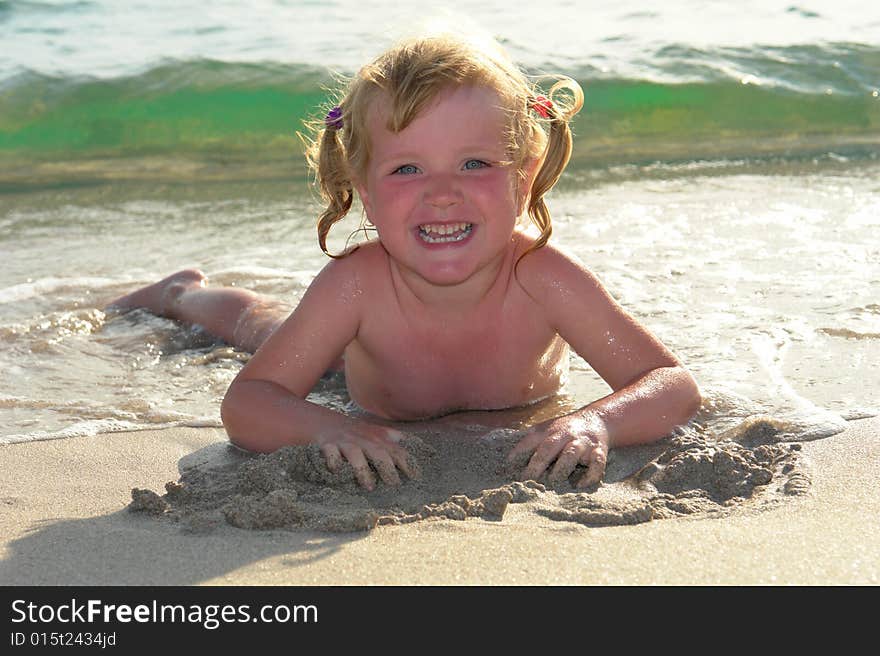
point(652, 392)
point(265, 407)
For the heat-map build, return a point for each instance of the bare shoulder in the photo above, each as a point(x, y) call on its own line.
point(326, 319)
point(583, 312)
point(551, 275)
point(352, 271)
point(337, 293)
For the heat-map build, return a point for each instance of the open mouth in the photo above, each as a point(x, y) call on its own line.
point(444, 233)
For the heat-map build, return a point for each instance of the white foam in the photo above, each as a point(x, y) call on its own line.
point(80, 429)
point(92, 427)
point(46, 286)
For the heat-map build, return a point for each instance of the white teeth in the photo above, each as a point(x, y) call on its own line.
point(438, 233)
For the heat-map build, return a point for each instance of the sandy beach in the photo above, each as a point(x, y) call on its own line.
point(722, 186)
point(66, 520)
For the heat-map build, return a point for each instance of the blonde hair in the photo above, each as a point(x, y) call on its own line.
point(410, 76)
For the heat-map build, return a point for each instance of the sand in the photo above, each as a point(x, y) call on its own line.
point(696, 509)
point(697, 472)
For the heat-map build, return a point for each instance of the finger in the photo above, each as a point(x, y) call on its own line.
point(362, 470)
point(526, 445)
point(568, 459)
point(400, 456)
point(394, 435)
point(332, 457)
point(596, 462)
point(406, 463)
point(543, 456)
point(384, 465)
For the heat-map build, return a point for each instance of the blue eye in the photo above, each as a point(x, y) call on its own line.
point(407, 169)
point(474, 164)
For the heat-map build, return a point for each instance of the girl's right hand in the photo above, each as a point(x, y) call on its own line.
point(364, 444)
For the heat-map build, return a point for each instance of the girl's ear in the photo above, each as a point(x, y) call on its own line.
point(365, 198)
point(526, 180)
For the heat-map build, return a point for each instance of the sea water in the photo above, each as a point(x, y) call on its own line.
point(725, 186)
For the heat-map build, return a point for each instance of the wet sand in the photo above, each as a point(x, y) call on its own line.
point(67, 518)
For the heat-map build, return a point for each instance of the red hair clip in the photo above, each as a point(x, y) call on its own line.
point(543, 105)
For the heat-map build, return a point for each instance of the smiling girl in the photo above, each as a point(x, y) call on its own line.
point(461, 303)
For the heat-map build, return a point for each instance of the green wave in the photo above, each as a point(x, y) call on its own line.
point(633, 121)
point(171, 108)
point(248, 114)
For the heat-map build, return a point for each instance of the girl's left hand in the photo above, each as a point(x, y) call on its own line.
point(580, 438)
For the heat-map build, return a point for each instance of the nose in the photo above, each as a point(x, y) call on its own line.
point(442, 192)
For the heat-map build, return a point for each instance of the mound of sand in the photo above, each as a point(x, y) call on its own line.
point(699, 470)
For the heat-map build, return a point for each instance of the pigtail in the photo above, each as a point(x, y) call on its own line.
point(326, 157)
point(557, 114)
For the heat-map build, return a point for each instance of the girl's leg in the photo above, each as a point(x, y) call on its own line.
point(237, 316)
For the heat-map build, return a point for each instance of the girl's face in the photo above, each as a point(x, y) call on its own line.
point(443, 202)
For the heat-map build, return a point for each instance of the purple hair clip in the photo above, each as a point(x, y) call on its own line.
point(334, 118)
